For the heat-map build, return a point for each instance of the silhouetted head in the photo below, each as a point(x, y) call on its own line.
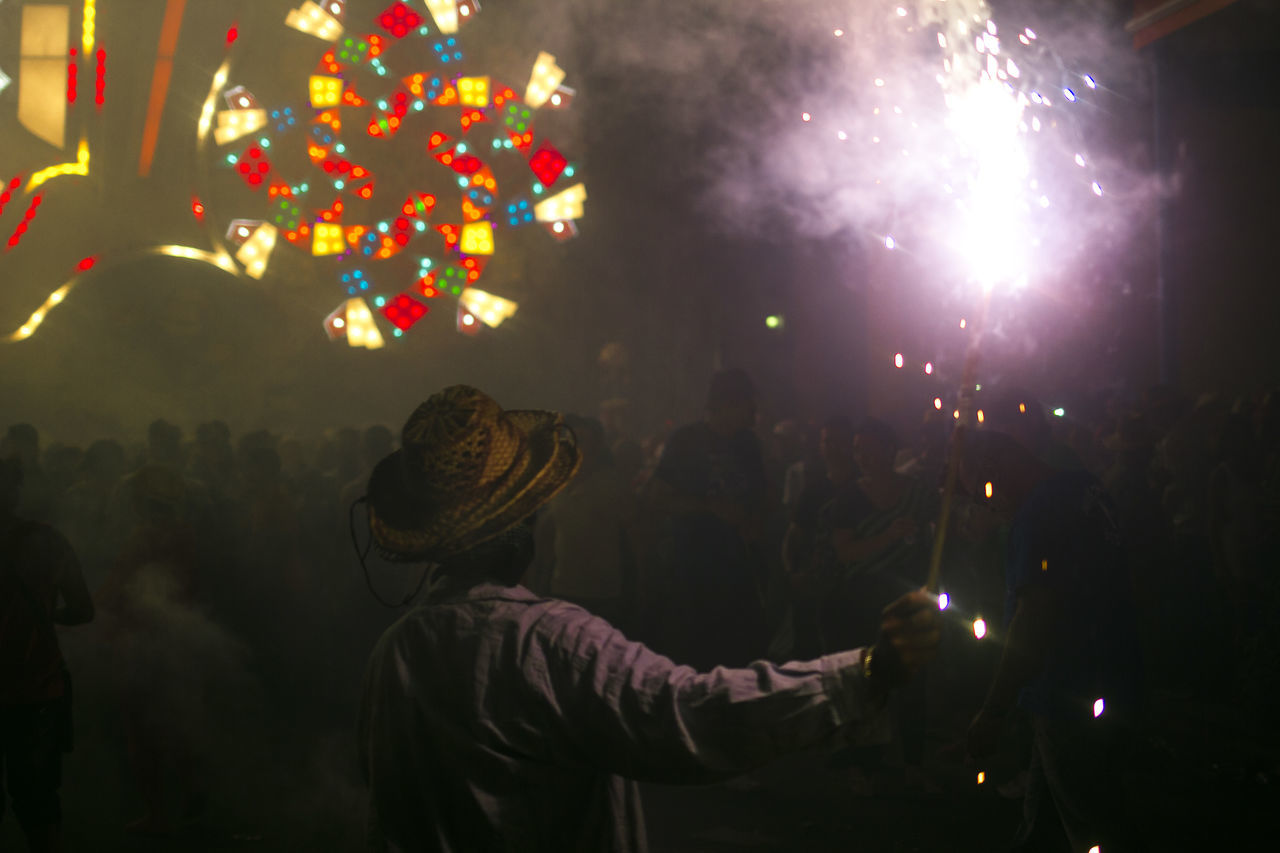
point(164, 443)
point(875, 446)
point(835, 443)
point(22, 441)
point(378, 442)
point(731, 401)
point(10, 485)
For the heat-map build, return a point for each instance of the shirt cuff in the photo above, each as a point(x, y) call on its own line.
point(851, 697)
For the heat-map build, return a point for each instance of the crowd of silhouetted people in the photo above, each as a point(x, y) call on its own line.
point(225, 591)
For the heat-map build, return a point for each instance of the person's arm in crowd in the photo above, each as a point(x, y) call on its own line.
point(1035, 621)
point(615, 704)
point(797, 550)
point(851, 549)
point(77, 603)
point(1026, 644)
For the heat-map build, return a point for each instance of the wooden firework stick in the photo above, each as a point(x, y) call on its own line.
point(968, 376)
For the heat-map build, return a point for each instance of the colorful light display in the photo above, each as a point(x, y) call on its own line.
point(338, 212)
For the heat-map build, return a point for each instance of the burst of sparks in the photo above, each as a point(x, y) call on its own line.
point(978, 140)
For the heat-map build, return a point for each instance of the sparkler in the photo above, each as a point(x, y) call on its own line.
point(961, 153)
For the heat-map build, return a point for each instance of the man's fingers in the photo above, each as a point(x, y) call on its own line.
point(910, 603)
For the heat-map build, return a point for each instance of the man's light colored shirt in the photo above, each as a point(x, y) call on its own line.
point(497, 720)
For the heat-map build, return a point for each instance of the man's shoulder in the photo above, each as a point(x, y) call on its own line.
point(488, 615)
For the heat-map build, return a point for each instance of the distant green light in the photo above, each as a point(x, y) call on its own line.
point(1060, 412)
point(774, 321)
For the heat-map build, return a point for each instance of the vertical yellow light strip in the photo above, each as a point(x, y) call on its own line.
point(88, 25)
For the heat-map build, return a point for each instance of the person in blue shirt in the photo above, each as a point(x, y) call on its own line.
point(1070, 658)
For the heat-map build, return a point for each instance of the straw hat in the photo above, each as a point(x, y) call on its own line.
point(466, 471)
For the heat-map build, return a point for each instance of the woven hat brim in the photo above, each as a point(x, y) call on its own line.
point(441, 530)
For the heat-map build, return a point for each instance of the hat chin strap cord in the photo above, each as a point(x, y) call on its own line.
point(363, 555)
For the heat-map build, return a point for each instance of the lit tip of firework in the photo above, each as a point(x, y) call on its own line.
point(1099, 706)
point(979, 627)
point(890, 243)
point(944, 601)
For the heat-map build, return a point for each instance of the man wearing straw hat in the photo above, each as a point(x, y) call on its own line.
point(494, 719)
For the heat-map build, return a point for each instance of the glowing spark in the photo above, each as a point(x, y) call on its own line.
point(1044, 565)
point(902, 13)
point(1097, 188)
point(1080, 160)
point(956, 414)
point(1090, 82)
point(890, 243)
point(928, 368)
point(981, 418)
point(982, 777)
point(942, 41)
point(937, 403)
point(1069, 95)
point(879, 81)
point(989, 490)
point(980, 631)
point(838, 33)
point(898, 360)
point(805, 117)
point(841, 135)
point(1099, 706)
point(1022, 408)
point(944, 601)
point(1060, 412)
point(1030, 33)
point(963, 322)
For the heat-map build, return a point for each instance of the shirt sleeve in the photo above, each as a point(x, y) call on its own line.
point(617, 705)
